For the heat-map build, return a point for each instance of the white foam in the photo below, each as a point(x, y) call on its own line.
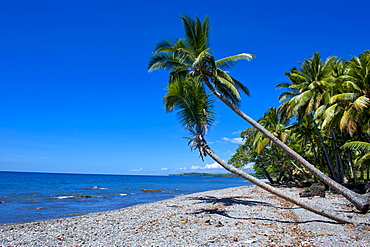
point(63, 197)
point(97, 188)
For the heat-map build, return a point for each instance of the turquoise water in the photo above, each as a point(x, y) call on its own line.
point(28, 197)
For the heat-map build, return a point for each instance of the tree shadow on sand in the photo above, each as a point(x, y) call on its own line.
point(228, 201)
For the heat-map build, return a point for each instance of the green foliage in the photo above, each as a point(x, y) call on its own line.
point(324, 116)
point(258, 171)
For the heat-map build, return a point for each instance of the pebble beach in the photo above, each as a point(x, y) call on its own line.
point(240, 216)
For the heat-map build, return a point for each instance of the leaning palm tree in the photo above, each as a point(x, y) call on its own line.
point(191, 58)
point(195, 110)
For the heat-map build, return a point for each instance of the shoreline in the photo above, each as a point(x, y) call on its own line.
point(33, 197)
point(235, 216)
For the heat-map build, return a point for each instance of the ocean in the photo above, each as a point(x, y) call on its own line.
point(26, 196)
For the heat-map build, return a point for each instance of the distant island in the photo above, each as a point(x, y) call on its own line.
point(202, 174)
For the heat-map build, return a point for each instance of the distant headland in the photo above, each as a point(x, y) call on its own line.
point(202, 174)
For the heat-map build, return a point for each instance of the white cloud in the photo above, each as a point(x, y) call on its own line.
point(237, 140)
point(136, 170)
point(207, 166)
point(46, 158)
point(248, 166)
point(213, 166)
point(164, 169)
point(236, 132)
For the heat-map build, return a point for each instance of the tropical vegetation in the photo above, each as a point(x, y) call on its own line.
point(194, 108)
point(196, 78)
point(324, 116)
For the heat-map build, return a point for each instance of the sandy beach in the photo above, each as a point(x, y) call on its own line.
point(242, 216)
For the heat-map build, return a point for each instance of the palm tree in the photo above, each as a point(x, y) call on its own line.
point(275, 122)
point(309, 92)
point(195, 111)
point(352, 103)
point(191, 58)
point(347, 117)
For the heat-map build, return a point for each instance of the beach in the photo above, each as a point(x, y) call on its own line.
point(240, 216)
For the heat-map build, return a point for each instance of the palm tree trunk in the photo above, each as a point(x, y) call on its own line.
point(353, 174)
point(320, 211)
point(338, 159)
point(267, 175)
point(362, 203)
point(327, 156)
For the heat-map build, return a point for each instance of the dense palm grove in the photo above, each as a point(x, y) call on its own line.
point(324, 116)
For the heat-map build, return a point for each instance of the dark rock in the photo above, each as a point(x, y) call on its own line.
point(360, 188)
point(84, 196)
point(219, 224)
point(367, 188)
point(317, 189)
point(152, 190)
point(304, 184)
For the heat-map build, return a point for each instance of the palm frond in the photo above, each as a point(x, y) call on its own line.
point(164, 46)
point(357, 145)
point(227, 90)
point(362, 103)
point(300, 100)
point(332, 116)
point(283, 85)
point(349, 120)
point(204, 59)
point(343, 97)
point(164, 61)
point(286, 95)
point(235, 83)
point(195, 108)
point(183, 55)
point(262, 144)
point(240, 86)
point(320, 111)
point(364, 159)
point(197, 34)
point(231, 61)
point(179, 73)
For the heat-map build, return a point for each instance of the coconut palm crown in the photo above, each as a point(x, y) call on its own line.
point(194, 107)
point(191, 57)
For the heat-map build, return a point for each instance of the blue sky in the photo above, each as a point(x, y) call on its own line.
point(75, 95)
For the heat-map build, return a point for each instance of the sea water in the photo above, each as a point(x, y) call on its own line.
point(28, 196)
